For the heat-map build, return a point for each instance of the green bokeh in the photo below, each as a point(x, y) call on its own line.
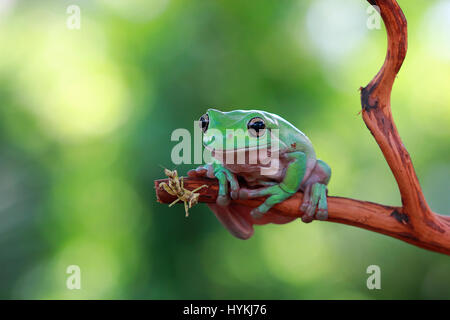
point(85, 123)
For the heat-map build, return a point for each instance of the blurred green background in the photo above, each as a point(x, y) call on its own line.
point(85, 122)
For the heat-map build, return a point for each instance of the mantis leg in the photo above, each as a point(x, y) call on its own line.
point(167, 188)
point(174, 202)
point(201, 187)
point(186, 208)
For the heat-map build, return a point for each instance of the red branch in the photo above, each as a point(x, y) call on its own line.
point(413, 222)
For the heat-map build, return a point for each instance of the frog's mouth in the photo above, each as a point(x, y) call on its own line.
point(243, 149)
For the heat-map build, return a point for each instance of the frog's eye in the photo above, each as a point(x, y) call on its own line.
point(204, 122)
point(256, 127)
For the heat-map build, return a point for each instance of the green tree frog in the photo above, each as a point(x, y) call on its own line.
point(255, 154)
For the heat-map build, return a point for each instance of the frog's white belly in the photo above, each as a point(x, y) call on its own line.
point(254, 166)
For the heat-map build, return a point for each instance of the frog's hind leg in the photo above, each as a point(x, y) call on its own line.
point(324, 171)
point(315, 199)
point(322, 209)
point(306, 198)
point(315, 193)
point(311, 206)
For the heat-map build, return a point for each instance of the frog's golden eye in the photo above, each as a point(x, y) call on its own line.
point(204, 122)
point(256, 127)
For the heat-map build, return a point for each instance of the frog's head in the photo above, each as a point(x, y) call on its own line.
point(237, 130)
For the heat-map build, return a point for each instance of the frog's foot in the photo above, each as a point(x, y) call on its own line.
point(224, 177)
point(276, 195)
point(315, 198)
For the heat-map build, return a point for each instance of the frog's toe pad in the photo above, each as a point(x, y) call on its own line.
point(243, 194)
point(305, 206)
point(223, 201)
point(322, 214)
point(307, 219)
point(256, 214)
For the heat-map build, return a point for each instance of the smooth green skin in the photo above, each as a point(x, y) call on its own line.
point(292, 143)
point(215, 137)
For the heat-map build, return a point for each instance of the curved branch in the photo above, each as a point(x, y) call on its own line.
point(376, 112)
point(414, 222)
point(387, 220)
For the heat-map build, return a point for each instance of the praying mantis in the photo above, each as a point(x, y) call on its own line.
point(175, 187)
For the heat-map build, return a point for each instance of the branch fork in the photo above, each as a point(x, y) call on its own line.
point(414, 222)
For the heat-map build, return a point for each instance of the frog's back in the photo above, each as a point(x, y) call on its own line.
point(293, 138)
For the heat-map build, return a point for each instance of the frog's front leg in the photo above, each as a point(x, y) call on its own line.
point(224, 176)
point(280, 192)
point(277, 195)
